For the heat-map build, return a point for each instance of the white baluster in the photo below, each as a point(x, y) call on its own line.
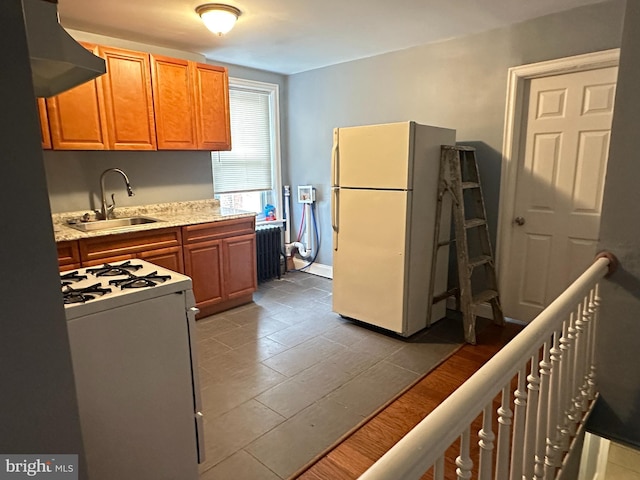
point(578, 367)
point(464, 462)
point(504, 435)
point(518, 441)
point(486, 443)
point(552, 454)
point(438, 469)
point(543, 412)
point(573, 415)
point(531, 425)
point(565, 386)
point(584, 354)
point(594, 305)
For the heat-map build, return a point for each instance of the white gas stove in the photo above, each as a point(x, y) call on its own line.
point(132, 335)
point(92, 289)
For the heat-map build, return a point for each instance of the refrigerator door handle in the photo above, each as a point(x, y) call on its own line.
point(335, 160)
point(334, 215)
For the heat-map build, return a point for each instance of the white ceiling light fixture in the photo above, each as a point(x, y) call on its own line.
point(217, 17)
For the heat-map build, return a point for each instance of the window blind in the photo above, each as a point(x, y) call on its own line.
point(247, 167)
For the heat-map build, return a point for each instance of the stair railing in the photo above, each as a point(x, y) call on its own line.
point(541, 386)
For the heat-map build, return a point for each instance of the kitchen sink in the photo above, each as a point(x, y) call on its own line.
point(99, 225)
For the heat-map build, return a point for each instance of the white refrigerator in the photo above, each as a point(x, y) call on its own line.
point(384, 192)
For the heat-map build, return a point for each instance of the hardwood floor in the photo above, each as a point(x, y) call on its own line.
point(362, 448)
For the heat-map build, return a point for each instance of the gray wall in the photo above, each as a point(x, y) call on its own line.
point(38, 408)
point(617, 414)
point(459, 84)
point(156, 177)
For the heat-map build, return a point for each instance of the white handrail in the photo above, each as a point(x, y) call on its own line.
point(426, 444)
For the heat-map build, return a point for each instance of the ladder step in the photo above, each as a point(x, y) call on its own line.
point(467, 185)
point(447, 242)
point(463, 148)
point(474, 222)
point(480, 260)
point(443, 295)
point(484, 296)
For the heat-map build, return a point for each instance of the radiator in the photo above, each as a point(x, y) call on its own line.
point(268, 250)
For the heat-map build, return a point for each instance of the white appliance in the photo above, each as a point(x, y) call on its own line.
point(132, 335)
point(384, 193)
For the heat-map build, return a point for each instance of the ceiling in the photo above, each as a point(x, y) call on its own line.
point(292, 36)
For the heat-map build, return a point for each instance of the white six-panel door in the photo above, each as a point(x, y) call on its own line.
point(559, 187)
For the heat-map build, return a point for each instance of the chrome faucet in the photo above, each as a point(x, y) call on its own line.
point(107, 210)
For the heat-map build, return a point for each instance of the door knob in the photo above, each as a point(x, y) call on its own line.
point(519, 221)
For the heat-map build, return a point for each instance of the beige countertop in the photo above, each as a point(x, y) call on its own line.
point(175, 214)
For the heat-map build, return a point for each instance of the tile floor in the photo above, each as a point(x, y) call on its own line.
point(283, 378)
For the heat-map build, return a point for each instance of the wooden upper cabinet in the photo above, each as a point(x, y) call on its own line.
point(211, 85)
point(77, 116)
point(45, 133)
point(128, 99)
point(143, 102)
point(174, 105)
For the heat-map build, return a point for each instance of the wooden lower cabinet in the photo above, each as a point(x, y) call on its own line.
point(220, 258)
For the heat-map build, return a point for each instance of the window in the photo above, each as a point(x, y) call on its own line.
point(248, 176)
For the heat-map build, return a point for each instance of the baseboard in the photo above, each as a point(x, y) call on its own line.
point(315, 268)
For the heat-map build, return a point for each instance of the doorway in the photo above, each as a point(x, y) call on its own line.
point(555, 150)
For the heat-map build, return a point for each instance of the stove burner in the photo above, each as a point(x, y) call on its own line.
point(133, 281)
point(70, 277)
point(108, 270)
point(82, 295)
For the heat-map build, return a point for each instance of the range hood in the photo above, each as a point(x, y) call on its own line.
point(58, 62)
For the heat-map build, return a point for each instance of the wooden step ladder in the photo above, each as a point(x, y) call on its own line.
point(476, 270)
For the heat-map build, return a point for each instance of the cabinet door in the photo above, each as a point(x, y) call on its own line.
point(170, 258)
point(211, 86)
point(77, 116)
point(203, 263)
point(68, 255)
point(128, 99)
point(173, 104)
point(45, 133)
point(239, 265)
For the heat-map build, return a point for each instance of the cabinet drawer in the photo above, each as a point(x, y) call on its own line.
point(126, 244)
point(215, 230)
